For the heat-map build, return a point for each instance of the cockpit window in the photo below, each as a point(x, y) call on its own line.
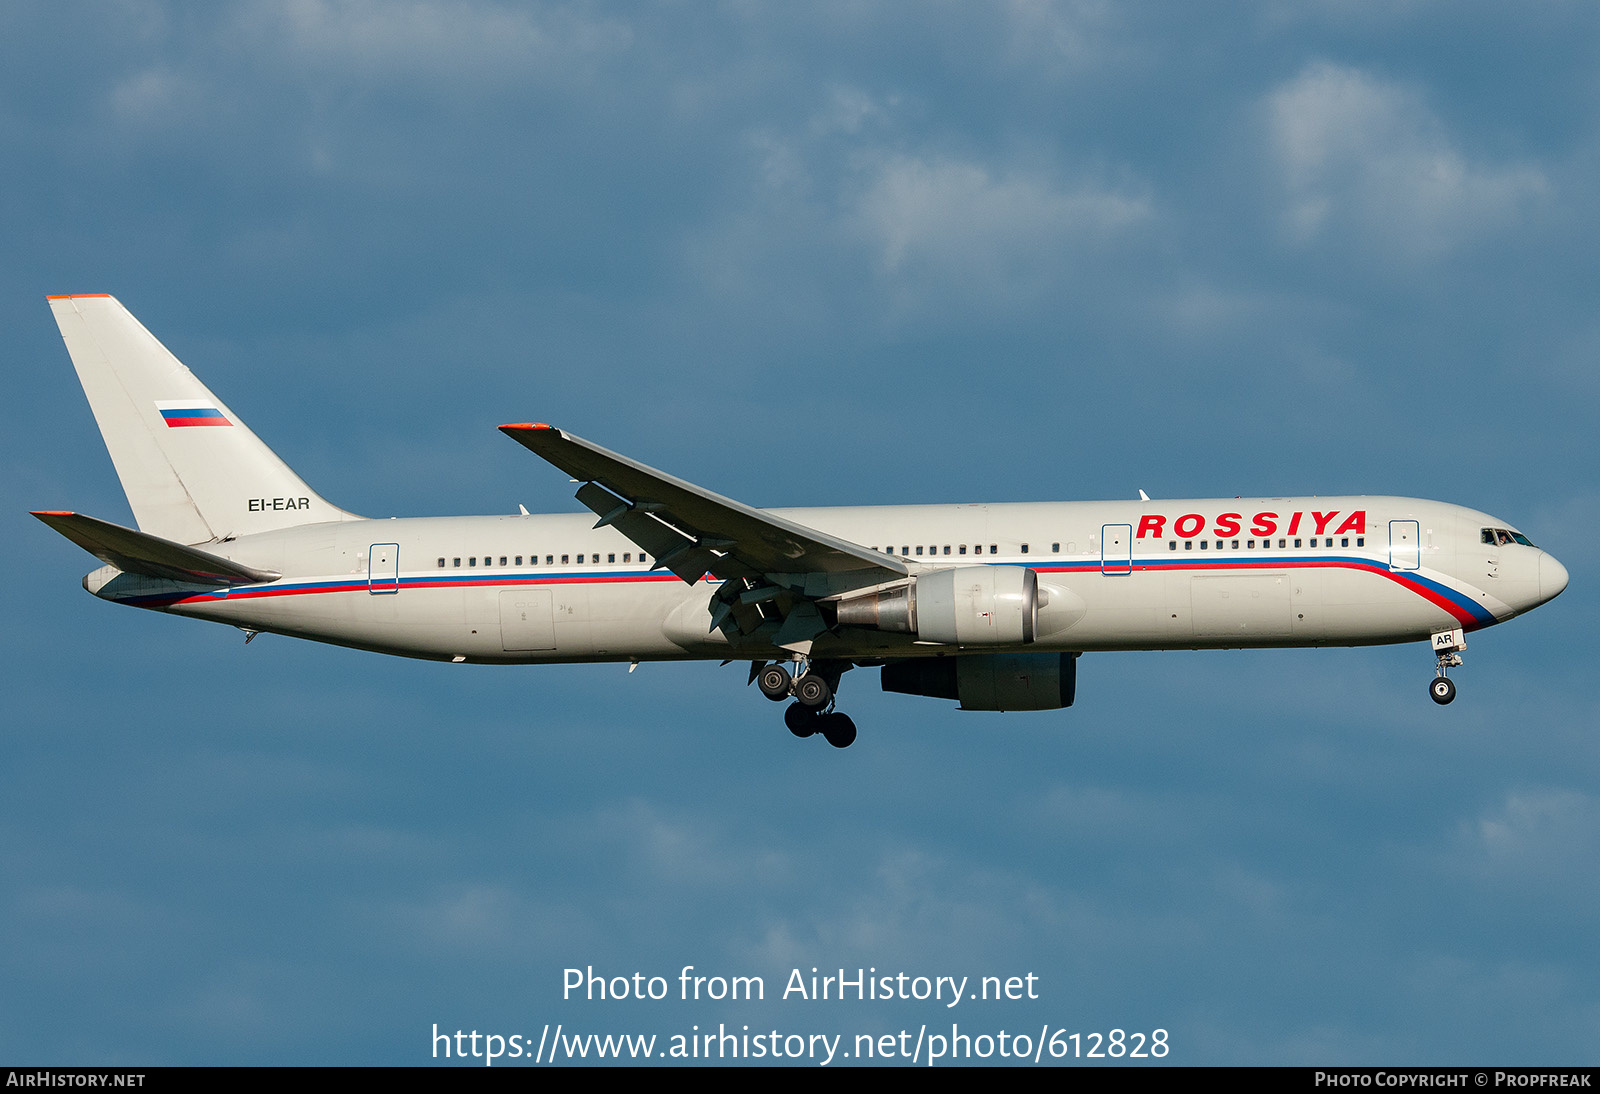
point(1501, 537)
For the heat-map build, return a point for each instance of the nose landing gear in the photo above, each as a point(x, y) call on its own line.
point(1447, 645)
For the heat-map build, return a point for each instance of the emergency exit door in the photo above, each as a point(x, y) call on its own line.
point(1405, 552)
point(1116, 549)
point(383, 568)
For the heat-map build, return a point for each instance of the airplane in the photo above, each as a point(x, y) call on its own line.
point(989, 605)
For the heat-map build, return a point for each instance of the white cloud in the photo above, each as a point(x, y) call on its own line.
point(1356, 153)
point(462, 39)
point(950, 232)
point(152, 95)
point(1538, 836)
point(1076, 35)
point(683, 847)
point(955, 212)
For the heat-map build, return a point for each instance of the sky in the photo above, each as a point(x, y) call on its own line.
point(808, 254)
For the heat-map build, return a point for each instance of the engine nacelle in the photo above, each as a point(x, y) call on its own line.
point(990, 681)
point(965, 606)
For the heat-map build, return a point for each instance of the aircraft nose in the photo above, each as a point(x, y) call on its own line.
point(1552, 576)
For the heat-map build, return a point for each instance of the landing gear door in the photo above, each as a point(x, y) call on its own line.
point(383, 568)
point(1116, 549)
point(1404, 549)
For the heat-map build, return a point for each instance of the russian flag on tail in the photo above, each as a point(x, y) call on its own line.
point(184, 412)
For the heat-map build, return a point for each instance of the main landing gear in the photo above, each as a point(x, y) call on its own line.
point(1448, 646)
point(812, 710)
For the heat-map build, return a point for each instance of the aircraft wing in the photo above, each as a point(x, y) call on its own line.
point(692, 531)
point(141, 553)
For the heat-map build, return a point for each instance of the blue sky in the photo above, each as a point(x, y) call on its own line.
point(808, 254)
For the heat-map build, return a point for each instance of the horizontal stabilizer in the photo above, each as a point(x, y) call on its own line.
point(141, 553)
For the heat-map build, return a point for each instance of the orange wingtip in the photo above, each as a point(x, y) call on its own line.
point(52, 512)
point(527, 425)
point(76, 295)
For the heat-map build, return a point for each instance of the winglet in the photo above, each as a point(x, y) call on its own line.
point(525, 425)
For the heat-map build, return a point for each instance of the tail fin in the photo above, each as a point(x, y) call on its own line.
point(193, 472)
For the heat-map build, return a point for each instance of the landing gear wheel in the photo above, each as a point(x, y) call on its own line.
point(837, 729)
point(812, 691)
point(774, 683)
point(1443, 690)
point(802, 722)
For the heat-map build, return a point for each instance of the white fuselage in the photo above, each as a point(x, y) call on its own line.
point(1113, 575)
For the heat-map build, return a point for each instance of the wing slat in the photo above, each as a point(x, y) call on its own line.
point(694, 520)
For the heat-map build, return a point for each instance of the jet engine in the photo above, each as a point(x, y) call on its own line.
point(965, 606)
point(990, 681)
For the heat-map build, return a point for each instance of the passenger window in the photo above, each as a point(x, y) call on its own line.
point(503, 560)
point(1024, 548)
point(1297, 543)
point(458, 563)
point(1283, 543)
point(1055, 548)
point(946, 548)
point(904, 550)
point(472, 561)
point(1205, 544)
point(627, 556)
point(919, 549)
point(441, 564)
point(977, 548)
point(612, 557)
point(1235, 545)
point(993, 550)
point(961, 549)
point(564, 559)
point(1172, 545)
point(1361, 541)
point(643, 557)
point(1188, 545)
point(1344, 541)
